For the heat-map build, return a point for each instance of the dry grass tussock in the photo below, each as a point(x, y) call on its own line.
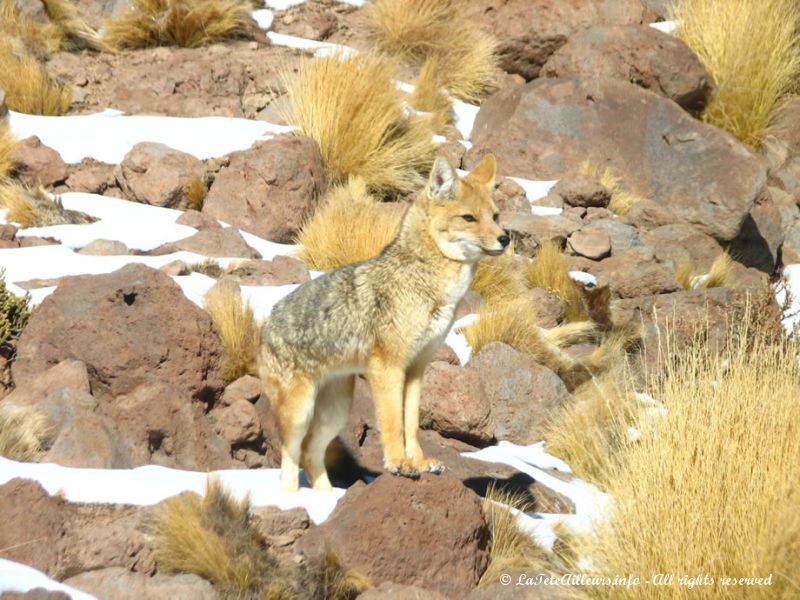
point(714, 489)
point(185, 23)
point(8, 143)
point(22, 433)
point(752, 49)
point(29, 89)
point(720, 274)
point(31, 37)
point(622, 200)
point(429, 97)
point(194, 193)
point(348, 226)
point(33, 207)
point(352, 108)
point(75, 32)
point(237, 329)
point(511, 549)
point(445, 30)
point(501, 277)
point(14, 316)
point(548, 270)
point(213, 536)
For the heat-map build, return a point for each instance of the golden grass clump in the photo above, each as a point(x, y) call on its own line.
point(511, 549)
point(715, 489)
point(33, 207)
point(194, 193)
point(548, 270)
point(214, 537)
point(428, 96)
point(237, 329)
point(75, 32)
point(348, 226)
point(8, 144)
point(720, 274)
point(622, 200)
point(38, 39)
point(21, 209)
point(29, 89)
point(22, 433)
point(445, 30)
point(752, 49)
point(501, 277)
point(184, 23)
point(352, 108)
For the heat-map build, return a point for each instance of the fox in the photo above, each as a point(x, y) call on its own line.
point(384, 318)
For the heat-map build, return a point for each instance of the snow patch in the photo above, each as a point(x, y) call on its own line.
point(458, 341)
point(665, 26)
point(582, 277)
point(263, 18)
point(535, 190)
point(16, 577)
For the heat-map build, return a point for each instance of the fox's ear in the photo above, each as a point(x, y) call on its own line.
point(485, 171)
point(442, 183)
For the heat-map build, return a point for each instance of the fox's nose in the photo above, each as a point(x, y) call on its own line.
point(504, 240)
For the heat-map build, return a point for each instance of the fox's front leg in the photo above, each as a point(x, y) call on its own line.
point(411, 397)
point(387, 382)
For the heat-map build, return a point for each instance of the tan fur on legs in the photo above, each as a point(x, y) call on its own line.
point(387, 383)
point(330, 416)
point(294, 409)
point(411, 396)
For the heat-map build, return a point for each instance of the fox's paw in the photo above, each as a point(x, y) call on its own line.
point(403, 468)
point(432, 466)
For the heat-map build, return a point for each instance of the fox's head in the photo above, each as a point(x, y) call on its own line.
point(462, 215)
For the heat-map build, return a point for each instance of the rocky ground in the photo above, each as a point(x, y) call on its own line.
point(125, 364)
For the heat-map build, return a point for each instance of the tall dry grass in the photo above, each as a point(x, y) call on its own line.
point(75, 32)
point(22, 432)
point(714, 489)
point(501, 277)
point(352, 108)
point(429, 97)
point(720, 274)
point(348, 226)
point(184, 23)
point(29, 89)
point(622, 199)
point(237, 329)
point(444, 30)
point(752, 49)
point(548, 270)
point(29, 36)
point(8, 144)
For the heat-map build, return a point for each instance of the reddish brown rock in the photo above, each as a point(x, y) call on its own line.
point(531, 30)
point(510, 197)
point(227, 242)
point(637, 54)
point(129, 327)
point(591, 243)
point(104, 248)
point(246, 387)
point(270, 189)
point(281, 270)
point(397, 591)
point(700, 173)
point(237, 423)
point(531, 231)
point(121, 584)
point(523, 394)
point(580, 190)
point(198, 220)
point(621, 236)
point(635, 273)
point(453, 400)
point(92, 177)
point(157, 174)
point(37, 164)
point(68, 374)
point(428, 532)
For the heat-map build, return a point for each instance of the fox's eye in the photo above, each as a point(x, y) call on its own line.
point(496, 217)
point(469, 218)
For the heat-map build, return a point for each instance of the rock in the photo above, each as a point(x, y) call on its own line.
point(68, 374)
point(397, 591)
point(280, 527)
point(157, 174)
point(454, 402)
point(591, 243)
point(580, 190)
point(549, 307)
point(8, 232)
point(428, 532)
point(104, 248)
point(129, 327)
point(198, 220)
point(35, 594)
point(637, 54)
point(510, 197)
point(165, 427)
point(79, 434)
point(622, 237)
point(759, 242)
point(700, 173)
point(92, 177)
point(531, 30)
point(227, 242)
point(121, 584)
point(270, 189)
point(634, 273)
point(531, 231)
point(469, 304)
point(783, 125)
point(37, 164)
point(246, 388)
point(522, 392)
point(679, 243)
point(518, 589)
point(281, 270)
point(237, 423)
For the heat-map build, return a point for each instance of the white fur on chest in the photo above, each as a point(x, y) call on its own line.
point(443, 318)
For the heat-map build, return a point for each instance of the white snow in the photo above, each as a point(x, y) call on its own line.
point(582, 277)
point(109, 135)
point(151, 484)
point(665, 26)
point(298, 43)
point(283, 4)
point(791, 276)
point(534, 190)
point(263, 18)
point(16, 577)
point(464, 117)
point(457, 341)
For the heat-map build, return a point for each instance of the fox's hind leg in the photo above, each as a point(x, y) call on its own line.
point(294, 409)
point(330, 416)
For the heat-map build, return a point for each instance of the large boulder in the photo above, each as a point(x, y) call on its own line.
point(129, 327)
point(531, 30)
point(429, 533)
point(270, 189)
point(701, 173)
point(37, 164)
point(121, 584)
point(157, 174)
point(637, 54)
